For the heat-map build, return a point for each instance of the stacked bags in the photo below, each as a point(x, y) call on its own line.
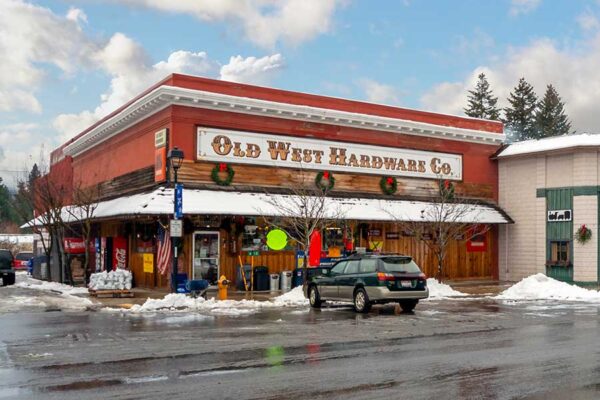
point(119, 279)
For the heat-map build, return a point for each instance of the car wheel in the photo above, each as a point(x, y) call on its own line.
point(361, 301)
point(313, 297)
point(408, 305)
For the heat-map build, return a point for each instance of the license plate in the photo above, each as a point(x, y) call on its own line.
point(406, 284)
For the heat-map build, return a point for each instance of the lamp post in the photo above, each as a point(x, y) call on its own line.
point(175, 159)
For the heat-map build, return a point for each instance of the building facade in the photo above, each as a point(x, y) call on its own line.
point(241, 142)
point(550, 188)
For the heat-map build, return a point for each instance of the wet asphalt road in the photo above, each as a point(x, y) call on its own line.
point(459, 349)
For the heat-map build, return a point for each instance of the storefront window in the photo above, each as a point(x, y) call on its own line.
point(206, 256)
point(560, 251)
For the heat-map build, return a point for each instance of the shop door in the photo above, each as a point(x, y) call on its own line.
point(206, 256)
point(559, 234)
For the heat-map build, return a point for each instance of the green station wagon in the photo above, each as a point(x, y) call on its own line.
point(370, 279)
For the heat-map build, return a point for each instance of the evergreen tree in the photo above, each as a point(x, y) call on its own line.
point(481, 101)
point(33, 175)
point(7, 214)
point(519, 116)
point(550, 119)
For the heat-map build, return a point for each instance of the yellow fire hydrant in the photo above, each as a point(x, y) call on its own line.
point(223, 285)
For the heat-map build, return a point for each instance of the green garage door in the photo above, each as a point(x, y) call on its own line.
point(559, 234)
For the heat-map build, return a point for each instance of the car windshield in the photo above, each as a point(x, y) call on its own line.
point(5, 255)
point(400, 264)
point(24, 256)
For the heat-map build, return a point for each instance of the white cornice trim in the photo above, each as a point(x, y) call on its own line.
point(165, 96)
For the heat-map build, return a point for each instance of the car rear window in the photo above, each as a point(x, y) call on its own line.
point(368, 265)
point(400, 264)
point(6, 255)
point(24, 256)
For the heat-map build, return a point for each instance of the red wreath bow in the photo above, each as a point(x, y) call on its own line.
point(222, 167)
point(390, 181)
point(326, 174)
point(446, 184)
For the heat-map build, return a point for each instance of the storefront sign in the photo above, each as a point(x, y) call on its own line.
point(560, 215)
point(148, 259)
point(74, 246)
point(160, 155)
point(283, 151)
point(160, 138)
point(374, 232)
point(392, 235)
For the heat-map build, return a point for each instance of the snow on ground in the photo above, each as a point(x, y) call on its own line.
point(25, 281)
point(441, 290)
point(541, 287)
point(182, 302)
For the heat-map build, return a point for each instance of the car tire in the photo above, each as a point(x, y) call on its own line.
point(8, 280)
point(408, 305)
point(313, 297)
point(361, 301)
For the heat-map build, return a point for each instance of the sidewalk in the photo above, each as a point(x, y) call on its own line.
point(479, 287)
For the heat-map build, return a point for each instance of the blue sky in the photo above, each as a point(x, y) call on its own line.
point(71, 62)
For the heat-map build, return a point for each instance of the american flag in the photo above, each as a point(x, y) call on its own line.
point(163, 250)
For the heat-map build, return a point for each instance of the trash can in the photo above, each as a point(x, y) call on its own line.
point(274, 282)
point(239, 281)
point(297, 280)
point(286, 281)
point(261, 278)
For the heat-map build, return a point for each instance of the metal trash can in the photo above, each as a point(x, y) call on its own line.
point(286, 281)
point(274, 283)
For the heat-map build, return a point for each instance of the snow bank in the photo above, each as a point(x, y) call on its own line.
point(541, 287)
point(441, 290)
point(114, 280)
point(27, 282)
point(182, 302)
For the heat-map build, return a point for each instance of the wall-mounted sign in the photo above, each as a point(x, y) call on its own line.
point(148, 259)
point(560, 215)
point(176, 228)
point(392, 235)
point(160, 164)
point(284, 151)
point(374, 232)
point(160, 138)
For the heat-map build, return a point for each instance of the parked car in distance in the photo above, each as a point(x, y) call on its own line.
point(21, 259)
point(7, 271)
point(367, 279)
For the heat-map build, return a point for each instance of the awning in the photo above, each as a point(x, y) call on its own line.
point(211, 202)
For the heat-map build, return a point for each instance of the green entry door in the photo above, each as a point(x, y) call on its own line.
point(559, 234)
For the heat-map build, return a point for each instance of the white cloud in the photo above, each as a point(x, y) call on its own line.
point(258, 71)
point(575, 72)
point(376, 92)
point(518, 7)
point(31, 36)
point(588, 21)
point(77, 15)
point(263, 22)
point(131, 72)
point(20, 147)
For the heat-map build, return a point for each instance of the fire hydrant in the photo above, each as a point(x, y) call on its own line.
point(223, 284)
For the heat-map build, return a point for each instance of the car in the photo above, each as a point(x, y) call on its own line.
point(7, 271)
point(368, 279)
point(21, 260)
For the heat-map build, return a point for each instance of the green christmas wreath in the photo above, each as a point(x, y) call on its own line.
point(222, 167)
point(583, 234)
point(447, 189)
point(323, 176)
point(388, 184)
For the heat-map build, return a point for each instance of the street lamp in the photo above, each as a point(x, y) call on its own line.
point(175, 159)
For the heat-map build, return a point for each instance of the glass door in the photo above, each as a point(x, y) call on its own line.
point(206, 256)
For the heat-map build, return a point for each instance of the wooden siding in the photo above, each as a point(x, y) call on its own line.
point(268, 177)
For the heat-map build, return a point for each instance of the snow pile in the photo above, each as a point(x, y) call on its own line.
point(182, 302)
point(293, 298)
point(27, 282)
point(541, 287)
point(113, 280)
point(441, 290)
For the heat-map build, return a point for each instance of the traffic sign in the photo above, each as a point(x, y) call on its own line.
point(176, 228)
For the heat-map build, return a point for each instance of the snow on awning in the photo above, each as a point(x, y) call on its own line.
point(207, 202)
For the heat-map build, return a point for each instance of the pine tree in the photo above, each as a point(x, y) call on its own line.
point(550, 119)
point(481, 101)
point(519, 117)
point(33, 175)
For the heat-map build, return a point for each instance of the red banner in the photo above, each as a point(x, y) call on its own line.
point(314, 252)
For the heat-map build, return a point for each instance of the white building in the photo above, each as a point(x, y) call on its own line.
point(550, 187)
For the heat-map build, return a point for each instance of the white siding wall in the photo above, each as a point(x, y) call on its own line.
point(585, 256)
point(518, 242)
point(559, 171)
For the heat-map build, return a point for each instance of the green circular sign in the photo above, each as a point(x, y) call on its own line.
point(277, 239)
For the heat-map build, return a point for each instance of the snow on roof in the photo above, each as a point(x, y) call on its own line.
point(550, 144)
point(207, 202)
